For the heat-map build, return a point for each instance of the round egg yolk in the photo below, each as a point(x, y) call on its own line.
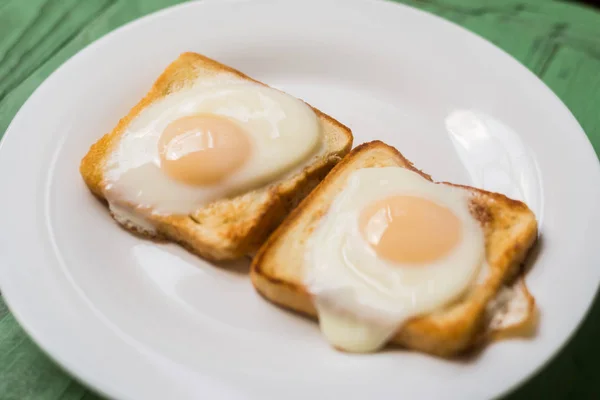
point(410, 229)
point(202, 149)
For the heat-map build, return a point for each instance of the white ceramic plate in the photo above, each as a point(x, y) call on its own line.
point(139, 320)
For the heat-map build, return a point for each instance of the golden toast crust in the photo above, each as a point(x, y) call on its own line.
point(229, 228)
point(510, 230)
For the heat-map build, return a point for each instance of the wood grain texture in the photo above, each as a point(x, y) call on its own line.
point(559, 42)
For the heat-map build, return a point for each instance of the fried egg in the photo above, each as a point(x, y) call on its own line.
point(392, 246)
point(211, 140)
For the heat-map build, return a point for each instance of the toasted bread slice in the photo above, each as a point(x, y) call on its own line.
point(233, 227)
point(498, 303)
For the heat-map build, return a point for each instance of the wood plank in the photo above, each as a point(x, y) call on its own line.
point(574, 75)
point(56, 23)
point(27, 373)
point(15, 20)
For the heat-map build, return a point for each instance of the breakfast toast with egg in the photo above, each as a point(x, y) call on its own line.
point(494, 306)
point(230, 227)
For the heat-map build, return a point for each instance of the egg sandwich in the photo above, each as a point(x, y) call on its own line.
point(212, 159)
point(380, 254)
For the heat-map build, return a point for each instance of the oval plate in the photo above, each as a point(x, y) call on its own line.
point(139, 320)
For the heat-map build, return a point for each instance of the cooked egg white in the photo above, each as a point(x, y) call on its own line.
point(214, 139)
point(392, 246)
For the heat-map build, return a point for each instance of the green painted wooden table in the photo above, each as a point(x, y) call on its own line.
point(560, 42)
